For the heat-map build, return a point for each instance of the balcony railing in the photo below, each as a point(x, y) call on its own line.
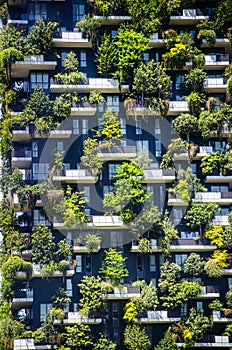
point(126, 292)
point(22, 154)
point(218, 197)
point(216, 83)
point(117, 151)
point(159, 317)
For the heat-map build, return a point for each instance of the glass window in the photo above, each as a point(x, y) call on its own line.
point(37, 11)
point(83, 59)
point(114, 33)
point(157, 126)
point(34, 149)
point(180, 259)
point(142, 144)
point(40, 218)
point(179, 82)
point(40, 171)
point(88, 264)
point(76, 130)
point(113, 103)
point(87, 194)
point(39, 79)
point(78, 12)
point(152, 263)
point(79, 263)
point(44, 311)
point(146, 57)
point(60, 146)
point(107, 189)
point(63, 57)
point(85, 126)
point(112, 170)
point(116, 239)
point(123, 125)
point(158, 148)
point(138, 125)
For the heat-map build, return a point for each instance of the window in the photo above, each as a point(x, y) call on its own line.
point(199, 306)
point(229, 282)
point(83, 59)
point(40, 218)
point(113, 103)
point(85, 126)
point(158, 148)
point(219, 188)
point(194, 168)
point(142, 144)
point(79, 263)
point(100, 126)
point(39, 79)
point(152, 263)
point(114, 33)
point(146, 57)
point(88, 264)
point(76, 130)
point(37, 11)
point(138, 125)
point(44, 311)
point(177, 215)
point(107, 189)
point(60, 146)
point(63, 57)
point(78, 13)
point(112, 170)
point(69, 287)
point(116, 239)
point(180, 259)
point(40, 171)
point(87, 194)
point(34, 149)
point(157, 126)
point(179, 82)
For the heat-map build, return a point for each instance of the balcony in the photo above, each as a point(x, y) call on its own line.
point(125, 293)
point(218, 179)
point(82, 248)
point(224, 131)
point(21, 69)
point(216, 84)
point(158, 317)
point(70, 39)
point(117, 152)
point(223, 198)
point(179, 245)
point(176, 107)
point(175, 200)
point(189, 16)
point(21, 134)
point(112, 20)
point(212, 62)
point(156, 41)
point(211, 341)
point(95, 221)
point(75, 176)
point(221, 220)
point(74, 317)
point(202, 152)
point(36, 272)
point(159, 176)
point(102, 85)
point(17, 3)
point(57, 133)
point(220, 42)
point(208, 292)
point(26, 207)
point(21, 159)
point(22, 299)
point(85, 110)
point(28, 344)
point(219, 317)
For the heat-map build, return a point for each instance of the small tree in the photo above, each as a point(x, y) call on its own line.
point(167, 343)
point(212, 269)
point(148, 299)
point(78, 337)
point(229, 297)
point(201, 215)
point(198, 324)
point(92, 242)
point(111, 128)
point(114, 267)
point(43, 245)
point(195, 79)
point(135, 337)
point(60, 299)
point(92, 299)
point(90, 26)
point(185, 124)
point(103, 343)
point(90, 158)
point(194, 265)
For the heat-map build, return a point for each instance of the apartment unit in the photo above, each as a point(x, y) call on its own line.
point(145, 122)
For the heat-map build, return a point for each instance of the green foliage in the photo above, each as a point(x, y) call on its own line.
point(114, 268)
point(198, 324)
point(91, 295)
point(214, 234)
point(96, 98)
point(167, 161)
point(169, 233)
point(90, 158)
point(65, 250)
point(129, 194)
point(216, 305)
point(209, 163)
point(40, 40)
point(209, 35)
point(145, 246)
point(209, 122)
point(9, 56)
point(167, 343)
point(103, 343)
point(90, 26)
point(106, 56)
point(92, 242)
point(194, 101)
point(60, 299)
point(111, 128)
point(43, 245)
point(201, 215)
point(195, 79)
point(185, 124)
point(9, 329)
point(223, 15)
point(135, 337)
point(221, 257)
point(131, 312)
point(148, 299)
point(149, 220)
point(78, 337)
point(71, 76)
point(194, 265)
point(71, 62)
point(142, 160)
point(191, 289)
point(13, 265)
point(212, 269)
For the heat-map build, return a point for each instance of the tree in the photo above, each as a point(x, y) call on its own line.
point(90, 26)
point(90, 158)
point(198, 324)
point(145, 246)
point(129, 194)
point(215, 235)
point(60, 299)
point(111, 128)
point(229, 297)
point(114, 268)
point(71, 76)
point(103, 343)
point(9, 330)
point(169, 233)
point(131, 312)
point(142, 160)
point(78, 337)
point(106, 55)
point(74, 209)
point(135, 337)
point(148, 299)
point(92, 299)
point(194, 265)
point(152, 83)
point(65, 250)
point(43, 245)
point(200, 215)
point(92, 242)
point(209, 122)
point(167, 343)
point(212, 269)
point(40, 40)
point(195, 80)
point(185, 124)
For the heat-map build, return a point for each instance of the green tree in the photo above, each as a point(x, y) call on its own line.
point(92, 299)
point(194, 265)
point(169, 233)
point(92, 242)
point(148, 299)
point(43, 245)
point(185, 124)
point(198, 324)
point(103, 343)
point(60, 299)
point(9, 56)
point(212, 268)
point(114, 268)
point(78, 337)
point(111, 128)
point(65, 249)
point(135, 337)
point(90, 26)
point(90, 158)
point(9, 329)
point(167, 343)
point(210, 122)
point(40, 40)
point(195, 80)
point(200, 215)
point(106, 56)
